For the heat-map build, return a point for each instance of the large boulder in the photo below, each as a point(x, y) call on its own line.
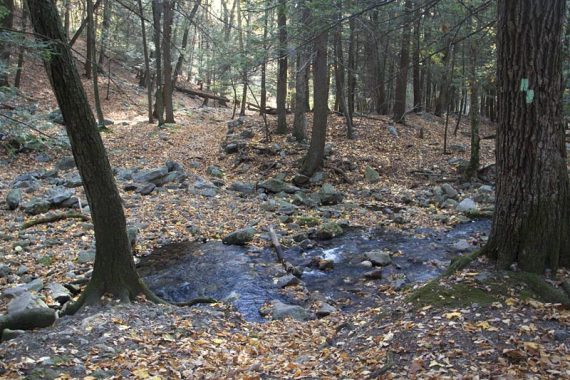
point(27, 311)
point(240, 237)
point(243, 187)
point(275, 185)
point(329, 195)
point(450, 192)
point(37, 206)
point(467, 205)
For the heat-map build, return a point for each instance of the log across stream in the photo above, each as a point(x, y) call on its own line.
point(246, 277)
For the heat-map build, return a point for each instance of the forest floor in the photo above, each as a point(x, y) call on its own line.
point(475, 323)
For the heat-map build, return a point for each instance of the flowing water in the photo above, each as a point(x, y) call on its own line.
point(246, 277)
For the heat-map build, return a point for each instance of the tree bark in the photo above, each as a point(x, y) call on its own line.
point(105, 32)
point(282, 63)
point(114, 269)
point(93, 63)
point(531, 221)
point(402, 82)
point(168, 11)
point(159, 108)
point(315, 154)
point(148, 79)
point(300, 120)
point(474, 111)
point(263, 90)
point(416, 66)
point(20, 66)
point(7, 23)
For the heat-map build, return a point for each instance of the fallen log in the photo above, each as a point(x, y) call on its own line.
point(202, 94)
point(268, 110)
point(54, 218)
point(289, 268)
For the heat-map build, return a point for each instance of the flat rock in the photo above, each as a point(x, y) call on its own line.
point(280, 311)
point(378, 257)
point(243, 187)
point(287, 280)
point(325, 310)
point(240, 237)
point(275, 185)
point(467, 205)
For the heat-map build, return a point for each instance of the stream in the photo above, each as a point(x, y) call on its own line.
point(246, 276)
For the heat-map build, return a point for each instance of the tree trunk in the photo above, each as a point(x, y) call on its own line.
point(263, 90)
point(159, 108)
point(416, 66)
point(339, 77)
point(351, 80)
point(7, 24)
point(443, 98)
point(93, 63)
point(402, 81)
point(474, 114)
point(114, 270)
point(300, 120)
point(531, 221)
point(282, 63)
point(146, 64)
point(105, 32)
point(67, 18)
point(18, 77)
point(168, 11)
point(315, 155)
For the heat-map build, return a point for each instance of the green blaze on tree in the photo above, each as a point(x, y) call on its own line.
point(531, 222)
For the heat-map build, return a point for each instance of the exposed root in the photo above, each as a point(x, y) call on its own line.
point(54, 218)
point(196, 301)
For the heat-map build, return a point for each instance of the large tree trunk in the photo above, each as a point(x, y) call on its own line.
point(474, 111)
point(282, 70)
point(315, 154)
point(263, 89)
point(168, 11)
point(530, 226)
point(114, 270)
point(105, 32)
point(339, 77)
point(351, 78)
point(7, 24)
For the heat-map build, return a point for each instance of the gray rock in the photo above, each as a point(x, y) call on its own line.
point(42, 157)
point(153, 176)
point(366, 264)
point(462, 245)
point(132, 233)
point(9, 334)
point(65, 163)
point(247, 134)
point(280, 311)
point(378, 257)
point(374, 274)
point(561, 335)
point(37, 206)
point(483, 277)
point(459, 148)
point(231, 148)
point(329, 149)
point(449, 190)
point(240, 237)
point(58, 195)
point(398, 284)
point(25, 301)
point(34, 285)
point(325, 310)
point(73, 180)
point(392, 129)
point(86, 256)
point(276, 185)
point(204, 187)
point(371, 175)
point(13, 199)
point(300, 179)
point(317, 177)
point(486, 189)
point(329, 195)
point(56, 117)
point(467, 205)
point(22, 270)
point(287, 280)
point(146, 189)
point(449, 204)
point(59, 292)
point(215, 171)
point(328, 231)
point(173, 166)
point(5, 270)
point(243, 187)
